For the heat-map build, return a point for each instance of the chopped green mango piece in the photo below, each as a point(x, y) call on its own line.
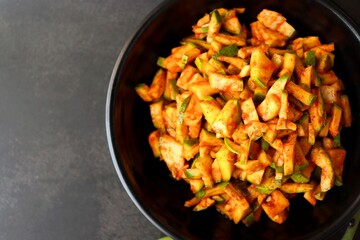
point(226, 161)
point(228, 51)
point(310, 58)
point(321, 159)
point(228, 118)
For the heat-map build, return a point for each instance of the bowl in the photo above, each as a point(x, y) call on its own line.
point(146, 179)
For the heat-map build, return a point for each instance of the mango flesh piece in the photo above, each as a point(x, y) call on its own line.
point(319, 156)
point(172, 153)
point(275, 21)
point(210, 109)
point(154, 140)
point(225, 83)
point(225, 159)
point(228, 119)
point(204, 165)
point(237, 204)
point(261, 67)
point(269, 108)
point(275, 206)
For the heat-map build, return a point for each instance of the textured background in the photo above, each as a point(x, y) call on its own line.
point(56, 176)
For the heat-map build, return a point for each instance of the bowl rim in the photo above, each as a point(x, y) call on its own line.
point(109, 102)
point(330, 5)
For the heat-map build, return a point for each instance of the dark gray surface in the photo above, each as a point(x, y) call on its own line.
point(57, 180)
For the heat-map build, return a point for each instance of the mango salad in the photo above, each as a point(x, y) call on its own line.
point(249, 116)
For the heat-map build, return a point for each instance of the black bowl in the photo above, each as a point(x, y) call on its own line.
point(147, 181)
